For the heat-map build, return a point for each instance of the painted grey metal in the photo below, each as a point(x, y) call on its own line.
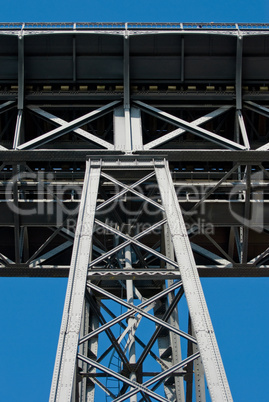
point(89, 319)
point(224, 142)
point(131, 320)
point(206, 349)
point(20, 72)
point(175, 343)
point(142, 312)
point(122, 192)
point(132, 310)
point(199, 377)
point(176, 133)
point(124, 379)
point(238, 78)
point(132, 190)
point(57, 132)
point(120, 133)
point(243, 129)
point(164, 374)
point(216, 258)
point(16, 217)
point(18, 129)
point(192, 155)
point(39, 261)
point(65, 26)
point(257, 108)
point(79, 131)
point(214, 370)
point(136, 129)
point(7, 106)
point(61, 389)
point(126, 74)
point(182, 58)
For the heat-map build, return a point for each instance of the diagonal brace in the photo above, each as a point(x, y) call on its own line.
point(161, 376)
point(139, 310)
point(126, 243)
point(180, 131)
point(138, 243)
point(124, 191)
point(133, 384)
point(82, 133)
point(130, 312)
point(132, 190)
point(192, 128)
point(71, 126)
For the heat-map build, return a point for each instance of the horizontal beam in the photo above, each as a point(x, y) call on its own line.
point(146, 95)
point(58, 271)
point(217, 213)
point(198, 155)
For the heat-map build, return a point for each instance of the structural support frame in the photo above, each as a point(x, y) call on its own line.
point(65, 366)
point(65, 363)
point(167, 101)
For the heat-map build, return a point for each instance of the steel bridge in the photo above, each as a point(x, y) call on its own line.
point(134, 159)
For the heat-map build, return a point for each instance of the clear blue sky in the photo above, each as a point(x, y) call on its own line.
point(139, 10)
point(30, 309)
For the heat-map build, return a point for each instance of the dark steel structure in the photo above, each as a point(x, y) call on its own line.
point(134, 158)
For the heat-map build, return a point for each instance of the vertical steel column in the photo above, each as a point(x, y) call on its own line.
point(182, 62)
point(126, 72)
point(136, 129)
point(174, 320)
point(83, 349)
point(207, 344)
point(131, 320)
point(20, 104)
point(21, 70)
point(199, 378)
point(16, 214)
point(88, 348)
point(64, 370)
point(170, 345)
point(238, 78)
point(126, 100)
point(199, 375)
point(74, 57)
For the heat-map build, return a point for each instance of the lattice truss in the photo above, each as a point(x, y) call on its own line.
point(227, 199)
point(136, 248)
point(181, 128)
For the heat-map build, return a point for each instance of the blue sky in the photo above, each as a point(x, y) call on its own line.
point(132, 11)
point(30, 309)
point(30, 314)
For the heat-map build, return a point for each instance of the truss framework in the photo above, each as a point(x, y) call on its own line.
point(129, 98)
point(244, 183)
point(62, 386)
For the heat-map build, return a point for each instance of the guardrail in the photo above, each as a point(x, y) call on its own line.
point(133, 25)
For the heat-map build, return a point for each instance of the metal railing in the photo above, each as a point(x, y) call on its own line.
point(133, 26)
